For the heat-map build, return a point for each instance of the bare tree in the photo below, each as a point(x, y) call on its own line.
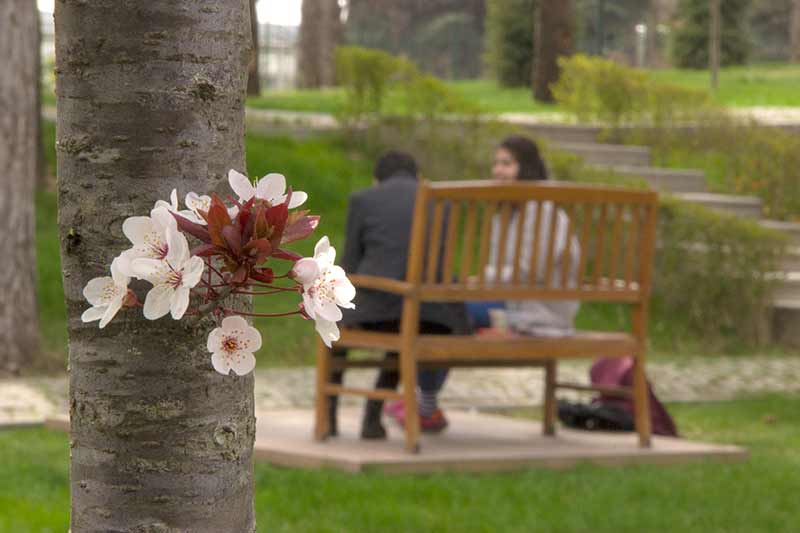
point(795, 29)
point(19, 152)
point(714, 42)
point(150, 97)
point(253, 81)
point(554, 38)
point(321, 32)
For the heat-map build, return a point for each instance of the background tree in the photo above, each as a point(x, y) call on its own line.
point(691, 36)
point(444, 37)
point(554, 38)
point(509, 41)
point(321, 32)
point(19, 153)
point(795, 31)
point(253, 80)
point(770, 25)
point(150, 97)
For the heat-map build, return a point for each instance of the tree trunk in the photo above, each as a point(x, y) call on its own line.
point(320, 33)
point(19, 151)
point(554, 38)
point(253, 81)
point(150, 97)
point(714, 42)
point(795, 29)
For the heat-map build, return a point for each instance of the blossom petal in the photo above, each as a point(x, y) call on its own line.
point(241, 185)
point(214, 340)
point(153, 270)
point(243, 363)
point(298, 199)
point(179, 302)
point(136, 228)
point(230, 323)
point(193, 271)
point(178, 248)
point(162, 219)
point(271, 187)
point(158, 302)
point(252, 337)
point(111, 311)
point(322, 247)
point(329, 311)
point(95, 290)
point(119, 277)
point(309, 305)
point(305, 270)
point(220, 364)
point(328, 331)
point(344, 291)
point(93, 313)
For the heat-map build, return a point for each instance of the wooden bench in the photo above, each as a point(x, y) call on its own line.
point(616, 231)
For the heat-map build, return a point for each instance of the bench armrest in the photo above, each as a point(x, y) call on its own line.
point(378, 283)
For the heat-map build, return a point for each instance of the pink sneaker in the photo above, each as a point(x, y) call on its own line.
point(436, 423)
point(396, 411)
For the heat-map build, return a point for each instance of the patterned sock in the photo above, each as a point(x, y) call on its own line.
point(428, 403)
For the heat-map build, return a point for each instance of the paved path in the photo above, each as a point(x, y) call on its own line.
point(689, 379)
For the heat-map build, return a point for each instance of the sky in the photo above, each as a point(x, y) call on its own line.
point(283, 12)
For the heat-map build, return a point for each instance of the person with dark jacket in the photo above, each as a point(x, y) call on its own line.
point(377, 243)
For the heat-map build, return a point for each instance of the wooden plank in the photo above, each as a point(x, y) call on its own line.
point(567, 259)
point(533, 273)
point(373, 394)
point(450, 243)
point(631, 244)
point(486, 237)
point(582, 344)
point(549, 407)
point(588, 218)
point(550, 190)
point(551, 246)
point(615, 242)
point(363, 281)
point(434, 245)
point(469, 241)
point(355, 338)
point(517, 259)
point(502, 245)
point(321, 400)
point(600, 252)
point(461, 293)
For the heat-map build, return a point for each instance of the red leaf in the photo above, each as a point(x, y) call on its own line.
point(258, 249)
point(300, 229)
point(240, 275)
point(233, 239)
point(192, 228)
point(206, 250)
point(264, 275)
point(288, 255)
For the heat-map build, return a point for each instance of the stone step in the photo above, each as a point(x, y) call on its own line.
point(667, 179)
point(786, 311)
point(790, 228)
point(743, 206)
point(787, 290)
point(608, 154)
point(791, 262)
point(567, 133)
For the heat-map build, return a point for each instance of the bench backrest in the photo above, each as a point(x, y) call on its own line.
point(597, 244)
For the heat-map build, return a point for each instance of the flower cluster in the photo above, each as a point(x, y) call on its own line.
point(234, 244)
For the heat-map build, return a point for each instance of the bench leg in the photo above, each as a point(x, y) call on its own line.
point(549, 423)
point(408, 377)
point(321, 400)
point(641, 402)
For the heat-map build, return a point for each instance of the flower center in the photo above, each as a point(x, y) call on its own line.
point(322, 289)
point(110, 292)
point(175, 278)
point(230, 345)
point(157, 246)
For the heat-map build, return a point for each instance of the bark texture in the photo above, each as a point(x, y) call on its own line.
point(253, 80)
point(321, 32)
point(150, 97)
point(554, 38)
point(19, 152)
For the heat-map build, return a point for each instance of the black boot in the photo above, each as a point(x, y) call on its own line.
point(372, 429)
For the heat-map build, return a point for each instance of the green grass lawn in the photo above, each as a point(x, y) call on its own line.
point(759, 495)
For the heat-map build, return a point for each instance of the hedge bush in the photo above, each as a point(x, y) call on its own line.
point(509, 41)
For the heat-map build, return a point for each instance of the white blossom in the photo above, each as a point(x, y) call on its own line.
point(326, 289)
point(148, 236)
point(196, 203)
point(172, 278)
point(232, 346)
point(106, 295)
point(271, 188)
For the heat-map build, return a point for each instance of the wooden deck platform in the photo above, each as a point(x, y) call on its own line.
point(473, 443)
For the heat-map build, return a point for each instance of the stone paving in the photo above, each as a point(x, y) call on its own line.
point(30, 400)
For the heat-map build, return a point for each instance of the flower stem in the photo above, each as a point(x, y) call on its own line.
point(264, 315)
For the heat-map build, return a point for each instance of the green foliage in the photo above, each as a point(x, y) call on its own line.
point(509, 41)
point(596, 89)
point(371, 77)
point(712, 275)
point(690, 44)
point(755, 496)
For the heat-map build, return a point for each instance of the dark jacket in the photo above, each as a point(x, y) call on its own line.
point(376, 243)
